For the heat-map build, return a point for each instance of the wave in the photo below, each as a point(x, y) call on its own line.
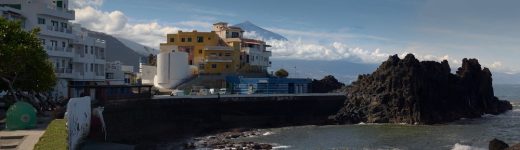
point(281, 147)
point(268, 133)
point(488, 116)
point(458, 146)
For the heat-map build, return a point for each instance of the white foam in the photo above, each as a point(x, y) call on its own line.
point(458, 146)
point(281, 147)
point(268, 133)
point(516, 110)
point(487, 116)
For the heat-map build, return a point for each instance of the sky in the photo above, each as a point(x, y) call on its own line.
point(344, 30)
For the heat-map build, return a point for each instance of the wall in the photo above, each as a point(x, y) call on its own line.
point(173, 118)
point(78, 120)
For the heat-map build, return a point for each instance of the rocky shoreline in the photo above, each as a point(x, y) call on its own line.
point(227, 141)
point(414, 92)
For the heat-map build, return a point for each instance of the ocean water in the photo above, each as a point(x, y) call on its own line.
point(465, 134)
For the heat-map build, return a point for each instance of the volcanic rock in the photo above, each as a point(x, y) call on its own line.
point(328, 84)
point(409, 91)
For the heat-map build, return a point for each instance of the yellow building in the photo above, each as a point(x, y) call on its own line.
point(206, 51)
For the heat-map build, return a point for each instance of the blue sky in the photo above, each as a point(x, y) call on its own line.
point(433, 29)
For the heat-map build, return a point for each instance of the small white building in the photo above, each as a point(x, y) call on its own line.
point(172, 67)
point(119, 74)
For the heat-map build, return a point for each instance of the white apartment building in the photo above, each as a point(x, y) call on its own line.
point(77, 58)
point(253, 52)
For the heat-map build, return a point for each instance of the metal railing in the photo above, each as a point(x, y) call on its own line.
point(219, 57)
point(63, 70)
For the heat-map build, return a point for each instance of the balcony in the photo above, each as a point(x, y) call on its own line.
point(52, 10)
point(256, 51)
point(233, 40)
point(63, 72)
point(218, 59)
point(56, 31)
point(225, 48)
point(59, 51)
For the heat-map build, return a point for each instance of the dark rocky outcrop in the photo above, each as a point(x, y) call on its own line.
point(496, 144)
point(328, 84)
point(409, 91)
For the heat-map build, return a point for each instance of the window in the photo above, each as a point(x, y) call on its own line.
point(227, 66)
point(91, 67)
point(63, 44)
point(41, 21)
point(91, 49)
point(54, 25)
point(86, 49)
point(191, 62)
point(172, 40)
point(234, 35)
point(228, 54)
point(219, 54)
point(209, 38)
point(200, 51)
point(189, 39)
point(213, 65)
point(182, 40)
point(43, 41)
point(110, 75)
point(54, 43)
point(200, 39)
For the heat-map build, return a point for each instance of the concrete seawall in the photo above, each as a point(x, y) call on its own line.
point(164, 118)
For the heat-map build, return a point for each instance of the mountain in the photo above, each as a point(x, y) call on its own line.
point(126, 51)
point(342, 70)
point(505, 78)
point(265, 34)
point(143, 50)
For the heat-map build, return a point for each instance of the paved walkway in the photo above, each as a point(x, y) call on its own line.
point(20, 139)
point(23, 139)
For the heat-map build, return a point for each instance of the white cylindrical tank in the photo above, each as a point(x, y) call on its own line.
point(172, 69)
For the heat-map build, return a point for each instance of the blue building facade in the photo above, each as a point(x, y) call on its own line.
point(269, 85)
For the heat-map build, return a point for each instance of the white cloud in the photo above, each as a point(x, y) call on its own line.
point(308, 50)
point(335, 51)
point(116, 23)
point(496, 64)
point(85, 3)
point(195, 24)
point(325, 35)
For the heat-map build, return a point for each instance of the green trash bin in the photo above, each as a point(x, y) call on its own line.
point(21, 115)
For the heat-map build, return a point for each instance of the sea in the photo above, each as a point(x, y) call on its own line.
point(464, 134)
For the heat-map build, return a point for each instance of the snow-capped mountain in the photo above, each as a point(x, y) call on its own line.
point(259, 32)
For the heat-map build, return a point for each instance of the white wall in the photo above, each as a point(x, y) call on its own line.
point(78, 120)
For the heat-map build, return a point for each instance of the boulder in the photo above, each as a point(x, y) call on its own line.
point(496, 144)
point(410, 91)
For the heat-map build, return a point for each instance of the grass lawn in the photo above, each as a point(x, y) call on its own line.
point(55, 137)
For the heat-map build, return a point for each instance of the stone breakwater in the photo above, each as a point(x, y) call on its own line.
point(410, 91)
